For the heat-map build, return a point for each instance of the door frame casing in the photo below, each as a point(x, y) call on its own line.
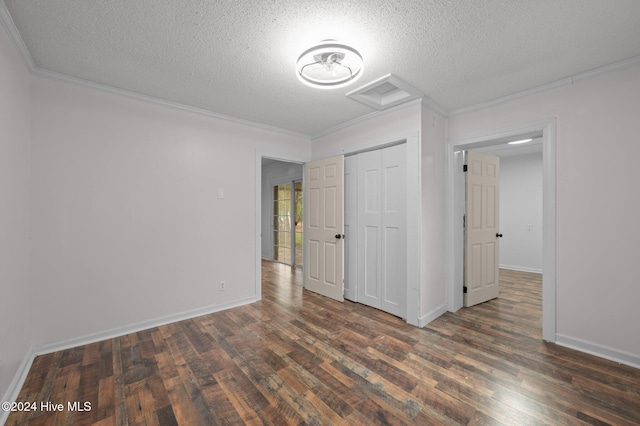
point(453, 223)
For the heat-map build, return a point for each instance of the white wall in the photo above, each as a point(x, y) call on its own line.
point(274, 174)
point(15, 323)
point(433, 295)
point(521, 206)
point(127, 226)
point(597, 203)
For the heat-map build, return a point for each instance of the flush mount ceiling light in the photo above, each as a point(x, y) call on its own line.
point(329, 65)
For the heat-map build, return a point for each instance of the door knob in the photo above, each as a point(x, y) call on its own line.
point(498, 235)
point(338, 236)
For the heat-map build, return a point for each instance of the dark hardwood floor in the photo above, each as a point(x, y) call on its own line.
point(299, 358)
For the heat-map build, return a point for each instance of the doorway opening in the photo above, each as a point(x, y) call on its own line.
point(503, 216)
point(271, 171)
point(456, 205)
point(280, 211)
point(510, 279)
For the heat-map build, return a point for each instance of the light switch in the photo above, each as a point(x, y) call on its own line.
point(220, 193)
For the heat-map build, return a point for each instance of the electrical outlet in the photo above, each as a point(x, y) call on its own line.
point(223, 286)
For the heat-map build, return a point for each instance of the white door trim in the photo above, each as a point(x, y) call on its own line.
point(453, 248)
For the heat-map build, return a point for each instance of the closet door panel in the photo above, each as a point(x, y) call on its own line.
point(393, 231)
point(369, 221)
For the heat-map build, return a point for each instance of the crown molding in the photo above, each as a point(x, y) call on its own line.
point(14, 35)
point(363, 118)
point(376, 114)
point(430, 103)
point(7, 22)
point(616, 66)
point(39, 72)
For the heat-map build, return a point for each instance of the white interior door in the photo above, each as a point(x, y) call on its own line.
point(381, 219)
point(323, 227)
point(481, 273)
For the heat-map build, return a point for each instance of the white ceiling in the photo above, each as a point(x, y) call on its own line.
point(236, 57)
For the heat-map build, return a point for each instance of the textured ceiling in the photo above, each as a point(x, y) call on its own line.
point(236, 57)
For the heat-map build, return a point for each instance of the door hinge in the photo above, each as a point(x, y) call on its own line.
point(464, 168)
point(464, 289)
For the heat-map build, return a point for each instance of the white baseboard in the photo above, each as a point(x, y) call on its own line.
point(430, 316)
point(16, 384)
point(521, 268)
point(611, 354)
point(132, 328)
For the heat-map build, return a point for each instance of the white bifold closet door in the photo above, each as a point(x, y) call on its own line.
point(377, 212)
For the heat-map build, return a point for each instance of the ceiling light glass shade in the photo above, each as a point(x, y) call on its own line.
point(329, 65)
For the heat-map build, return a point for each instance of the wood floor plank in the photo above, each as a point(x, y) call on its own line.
point(106, 399)
point(296, 358)
point(183, 409)
point(118, 385)
point(140, 405)
point(237, 395)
